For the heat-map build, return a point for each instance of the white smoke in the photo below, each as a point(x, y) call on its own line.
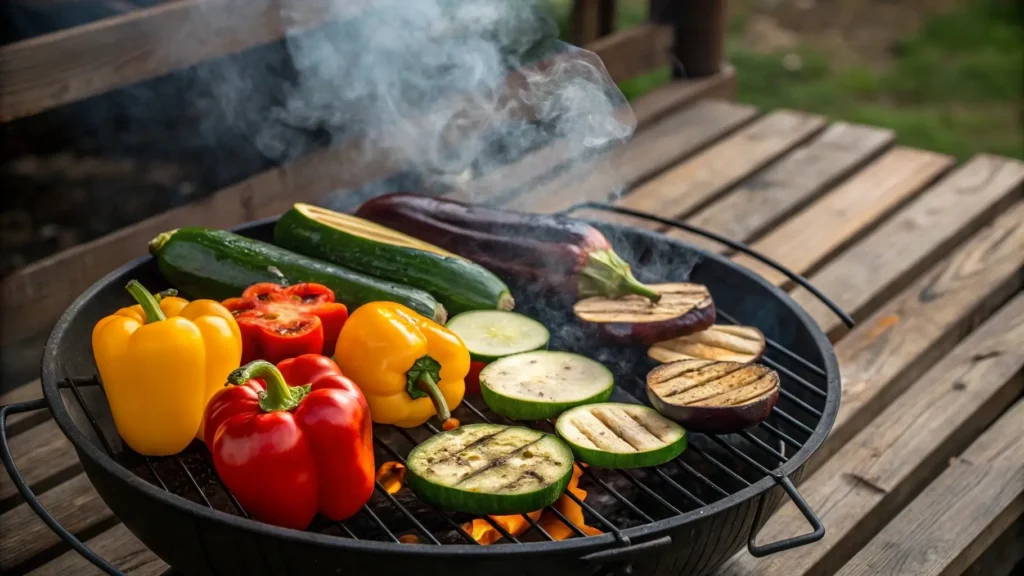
point(428, 81)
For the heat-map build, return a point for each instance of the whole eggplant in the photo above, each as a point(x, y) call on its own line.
point(556, 252)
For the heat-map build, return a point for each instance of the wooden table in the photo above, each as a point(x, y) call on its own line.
point(924, 470)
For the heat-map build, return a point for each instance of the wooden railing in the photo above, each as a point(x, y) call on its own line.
point(56, 69)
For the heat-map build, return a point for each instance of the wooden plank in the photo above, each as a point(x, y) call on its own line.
point(831, 223)
point(44, 457)
point(889, 351)
point(958, 515)
point(117, 546)
point(890, 257)
point(1005, 557)
point(75, 504)
point(766, 199)
point(866, 483)
point(634, 52)
point(652, 150)
point(18, 423)
point(55, 69)
point(532, 168)
point(689, 186)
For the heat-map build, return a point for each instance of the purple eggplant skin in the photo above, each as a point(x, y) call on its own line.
point(549, 251)
point(650, 333)
point(544, 228)
point(717, 419)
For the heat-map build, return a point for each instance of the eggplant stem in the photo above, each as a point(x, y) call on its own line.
point(608, 275)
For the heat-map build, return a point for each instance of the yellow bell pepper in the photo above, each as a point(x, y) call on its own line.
point(160, 363)
point(408, 367)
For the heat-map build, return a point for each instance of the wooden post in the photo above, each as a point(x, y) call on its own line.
point(699, 48)
point(590, 20)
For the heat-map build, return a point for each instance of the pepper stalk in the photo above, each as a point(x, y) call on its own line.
point(278, 396)
point(150, 304)
point(421, 381)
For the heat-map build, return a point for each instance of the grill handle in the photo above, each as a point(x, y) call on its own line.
point(31, 499)
point(758, 551)
point(627, 552)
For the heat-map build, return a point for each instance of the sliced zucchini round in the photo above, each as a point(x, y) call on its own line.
point(543, 384)
point(490, 469)
point(493, 334)
point(613, 435)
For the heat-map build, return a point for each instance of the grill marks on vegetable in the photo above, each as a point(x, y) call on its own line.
point(709, 383)
point(612, 428)
point(727, 343)
point(490, 460)
point(676, 300)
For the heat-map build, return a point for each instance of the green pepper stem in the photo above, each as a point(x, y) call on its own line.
point(165, 294)
point(279, 395)
point(427, 384)
point(608, 275)
point(148, 302)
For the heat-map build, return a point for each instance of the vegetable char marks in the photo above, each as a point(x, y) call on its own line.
point(490, 469)
point(729, 343)
point(613, 435)
point(713, 396)
point(684, 309)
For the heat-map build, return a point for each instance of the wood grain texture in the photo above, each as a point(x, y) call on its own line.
point(633, 52)
point(41, 453)
point(651, 151)
point(689, 186)
point(18, 423)
point(910, 333)
point(54, 69)
point(117, 546)
point(889, 258)
point(534, 167)
point(832, 222)
point(866, 483)
point(769, 197)
point(958, 515)
point(75, 504)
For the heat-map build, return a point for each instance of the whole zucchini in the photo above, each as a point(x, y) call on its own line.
point(207, 263)
point(554, 251)
point(457, 283)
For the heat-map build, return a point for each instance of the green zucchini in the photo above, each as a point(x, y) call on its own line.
point(613, 435)
point(490, 469)
point(457, 283)
point(207, 263)
point(493, 334)
point(543, 384)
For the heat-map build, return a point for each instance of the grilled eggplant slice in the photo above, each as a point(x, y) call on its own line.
point(490, 469)
point(684, 308)
point(543, 384)
point(613, 435)
point(712, 396)
point(727, 343)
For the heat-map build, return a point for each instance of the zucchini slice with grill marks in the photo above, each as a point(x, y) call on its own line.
point(614, 435)
point(542, 384)
point(490, 469)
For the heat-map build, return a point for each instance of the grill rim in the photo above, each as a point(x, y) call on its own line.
point(84, 446)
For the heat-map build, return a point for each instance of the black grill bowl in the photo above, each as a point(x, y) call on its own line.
point(693, 514)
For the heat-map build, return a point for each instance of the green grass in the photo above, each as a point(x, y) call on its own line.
point(953, 87)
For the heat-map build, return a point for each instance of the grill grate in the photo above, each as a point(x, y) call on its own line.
point(712, 468)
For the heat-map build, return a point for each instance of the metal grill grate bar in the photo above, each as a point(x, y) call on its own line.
point(793, 421)
point(764, 447)
point(799, 403)
point(380, 524)
point(780, 435)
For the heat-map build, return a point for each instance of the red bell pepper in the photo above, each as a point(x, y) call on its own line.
point(292, 440)
point(473, 378)
point(279, 322)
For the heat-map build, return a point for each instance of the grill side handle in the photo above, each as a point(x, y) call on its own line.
point(627, 552)
point(760, 550)
point(30, 497)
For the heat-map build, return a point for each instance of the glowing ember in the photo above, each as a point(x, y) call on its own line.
point(484, 533)
point(409, 539)
point(391, 476)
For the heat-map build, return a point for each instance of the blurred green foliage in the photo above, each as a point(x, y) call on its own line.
point(956, 86)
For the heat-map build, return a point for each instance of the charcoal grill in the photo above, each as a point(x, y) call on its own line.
point(684, 517)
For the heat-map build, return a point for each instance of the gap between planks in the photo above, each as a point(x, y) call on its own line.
point(869, 480)
point(959, 515)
